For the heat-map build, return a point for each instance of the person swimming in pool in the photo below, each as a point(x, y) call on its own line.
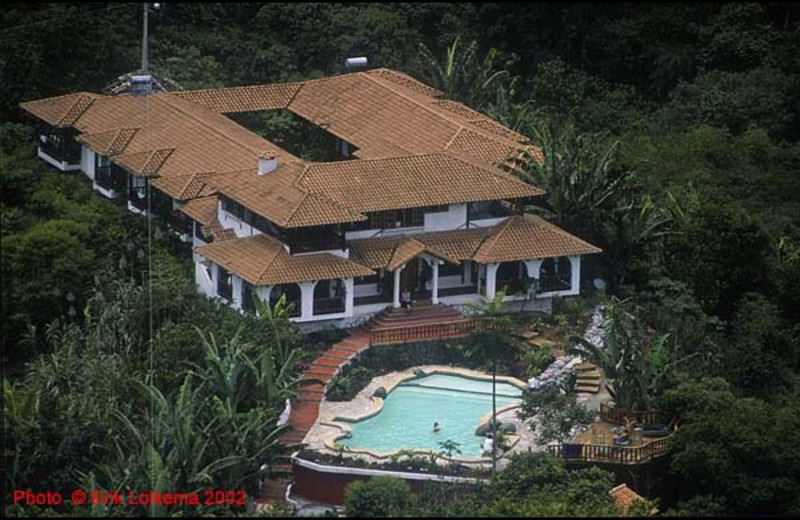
point(436, 427)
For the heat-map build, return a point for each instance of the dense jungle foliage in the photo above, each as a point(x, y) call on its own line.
point(670, 134)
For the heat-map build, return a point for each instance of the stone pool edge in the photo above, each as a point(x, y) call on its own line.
point(330, 438)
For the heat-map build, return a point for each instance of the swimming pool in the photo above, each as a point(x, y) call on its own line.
point(406, 421)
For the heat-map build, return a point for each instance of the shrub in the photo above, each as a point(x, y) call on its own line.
point(378, 497)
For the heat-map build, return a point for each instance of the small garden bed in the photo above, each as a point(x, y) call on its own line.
point(404, 461)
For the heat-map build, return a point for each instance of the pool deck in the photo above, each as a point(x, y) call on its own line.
point(328, 428)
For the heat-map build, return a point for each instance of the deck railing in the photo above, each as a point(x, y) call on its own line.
point(429, 331)
point(612, 454)
point(642, 417)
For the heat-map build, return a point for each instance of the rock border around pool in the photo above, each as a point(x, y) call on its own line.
point(365, 405)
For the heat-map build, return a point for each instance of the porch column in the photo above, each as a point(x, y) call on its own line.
point(533, 267)
point(575, 286)
point(348, 296)
point(307, 300)
point(396, 300)
point(237, 292)
point(435, 287)
point(491, 280)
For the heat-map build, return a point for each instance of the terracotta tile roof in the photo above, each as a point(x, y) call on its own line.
point(261, 260)
point(459, 244)
point(518, 238)
point(404, 80)
point(625, 496)
point(220, 234)
point(411, 181)
point(524, 237)
point(391, 252)
point(244, 99)
point(408, 248)
point(182, 187)
point(61, 110)
point(111, 142)
point(276, 197)
point(373, 252)
point(144, 164)
point(202, 210)
point(400, 125)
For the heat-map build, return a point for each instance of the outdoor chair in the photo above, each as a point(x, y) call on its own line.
point(658, 430)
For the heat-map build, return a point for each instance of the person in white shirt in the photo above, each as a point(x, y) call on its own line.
point(488, 445)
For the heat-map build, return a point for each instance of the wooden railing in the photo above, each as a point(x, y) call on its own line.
point(429, 331)
point(612, 454)
point(642, 417)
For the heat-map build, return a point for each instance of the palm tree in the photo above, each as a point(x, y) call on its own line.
point(462, 75)
point(492, 342)
point(628, 229)
point(576, 173)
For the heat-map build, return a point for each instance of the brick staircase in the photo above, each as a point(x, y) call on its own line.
point(420, 314)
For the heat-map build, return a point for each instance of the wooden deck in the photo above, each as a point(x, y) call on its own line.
point(607, 453)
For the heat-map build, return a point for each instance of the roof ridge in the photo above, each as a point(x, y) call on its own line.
point(274, 257)
point(492, 237)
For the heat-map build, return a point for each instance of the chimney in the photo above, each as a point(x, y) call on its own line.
point(267, 162)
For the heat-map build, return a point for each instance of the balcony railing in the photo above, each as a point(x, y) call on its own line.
point(137, 201)
point(62, 151)
point(180, 222)
point(554, 282)
point(110, 177)
point(329, 305)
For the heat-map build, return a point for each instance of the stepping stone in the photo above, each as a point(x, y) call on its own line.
point(589, 374)
point(587, 389)
point(586, 366)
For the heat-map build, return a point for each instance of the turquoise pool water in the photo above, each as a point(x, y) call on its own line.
point(409, 411)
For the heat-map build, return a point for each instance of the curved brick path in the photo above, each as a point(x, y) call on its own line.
point(305, 408)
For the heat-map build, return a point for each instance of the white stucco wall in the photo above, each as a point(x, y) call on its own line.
point(204, 282)
point(487, 222)
point(453, 218)
point(87, 161)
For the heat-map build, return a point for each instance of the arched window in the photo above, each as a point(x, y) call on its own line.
point(329, 297)
point(555, 274)
point(512, 277)
point(292, 292)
